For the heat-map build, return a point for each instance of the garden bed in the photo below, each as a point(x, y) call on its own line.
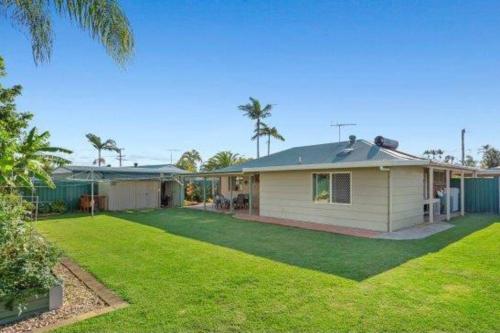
point(80, 302)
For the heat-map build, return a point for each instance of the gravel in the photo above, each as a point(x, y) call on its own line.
point(78, 299)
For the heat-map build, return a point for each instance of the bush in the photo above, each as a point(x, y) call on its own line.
point(44, 208)
point(26, 259)
point(58, 207)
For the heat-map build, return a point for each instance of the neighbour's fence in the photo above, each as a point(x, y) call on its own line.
point(68, 192)
point(481, 194)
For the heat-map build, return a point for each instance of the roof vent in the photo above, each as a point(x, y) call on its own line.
point(352, 139)
point(386, 143)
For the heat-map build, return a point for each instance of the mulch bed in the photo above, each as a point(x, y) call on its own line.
point(79, 302)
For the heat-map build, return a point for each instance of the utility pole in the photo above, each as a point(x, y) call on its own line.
point(340, 127)
point(463, 146)
point(171, 155)
point(120, 157)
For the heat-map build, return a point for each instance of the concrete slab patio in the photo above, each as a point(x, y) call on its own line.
point(416, 232)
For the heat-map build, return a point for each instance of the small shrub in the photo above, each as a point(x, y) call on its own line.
point(58, 207)
point(43, 208)
point(26, 259)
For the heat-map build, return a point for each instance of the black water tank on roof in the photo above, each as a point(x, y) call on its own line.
point(386, 143)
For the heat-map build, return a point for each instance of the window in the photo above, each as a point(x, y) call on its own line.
point(321, 187)
point(341, 188)
point(332, 187)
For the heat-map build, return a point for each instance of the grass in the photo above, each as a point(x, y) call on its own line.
point(186, 270)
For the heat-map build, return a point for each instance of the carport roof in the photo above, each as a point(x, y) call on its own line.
point(77, 172)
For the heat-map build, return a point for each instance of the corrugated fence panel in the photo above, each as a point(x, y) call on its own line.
point(481, 194)
point(67, 191)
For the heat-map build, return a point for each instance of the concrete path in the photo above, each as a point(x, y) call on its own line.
point(417, 232)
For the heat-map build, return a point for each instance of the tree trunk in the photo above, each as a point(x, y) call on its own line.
point(268, 144)
point(258, 138)
point(98, 157)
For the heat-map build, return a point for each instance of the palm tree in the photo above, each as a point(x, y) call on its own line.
point(98, 144)
point(254, 111)
point(440, 153)
point(223, 159)
point(189, 160)
point(268, 132)
point(103, 19)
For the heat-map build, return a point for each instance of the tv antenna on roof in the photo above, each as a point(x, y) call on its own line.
point(171, 156)
point(339, 125)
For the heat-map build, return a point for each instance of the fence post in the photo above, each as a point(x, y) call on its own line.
point(498, 181)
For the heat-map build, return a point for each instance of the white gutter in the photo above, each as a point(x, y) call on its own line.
point(389, 197)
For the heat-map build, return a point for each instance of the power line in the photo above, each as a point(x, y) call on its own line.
point(339, 125)
point(120, 157)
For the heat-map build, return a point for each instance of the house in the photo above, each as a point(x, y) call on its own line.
point(148, 186)
point(355, 183)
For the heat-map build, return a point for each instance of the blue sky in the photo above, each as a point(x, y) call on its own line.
point(416, 71)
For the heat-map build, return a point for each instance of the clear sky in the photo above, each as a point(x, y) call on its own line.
point(416, 71)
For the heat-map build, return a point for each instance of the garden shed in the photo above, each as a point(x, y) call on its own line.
point(123, 188)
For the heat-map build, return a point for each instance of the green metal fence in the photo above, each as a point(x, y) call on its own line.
point(68, 192)
point(481, 194)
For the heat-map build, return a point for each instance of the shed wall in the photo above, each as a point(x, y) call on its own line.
point(123, 195)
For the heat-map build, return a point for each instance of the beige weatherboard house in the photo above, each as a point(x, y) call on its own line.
point(355, 184)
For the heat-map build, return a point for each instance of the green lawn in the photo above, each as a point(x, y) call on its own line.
point(185, 270)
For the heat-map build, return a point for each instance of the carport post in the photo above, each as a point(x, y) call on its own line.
point(205, 193)
point(250, 194)
point(213, 192)
point(92, 192)
point(431, 195)
point(462, 194)
point(448, 208)
point(231, 205)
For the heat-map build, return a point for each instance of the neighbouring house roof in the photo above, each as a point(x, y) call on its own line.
point(491, 172)
point(117, 173)
point(344, 154)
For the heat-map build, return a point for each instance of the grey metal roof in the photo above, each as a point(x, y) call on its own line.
point(327, 153)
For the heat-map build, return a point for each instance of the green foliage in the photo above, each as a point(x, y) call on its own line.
point(223, 159)
point(255, 111)
point(100, 145)
point(58, 207)
point(269, 132)
point(469, 161)
point(491, 157)
point(44, 208)
point(103, 19)
point(26, 259)
point(189, 160)
point(23, 154)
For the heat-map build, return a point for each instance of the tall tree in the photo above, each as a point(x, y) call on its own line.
point(490, 156)
point(189, 160)
point(100, 145)
point(23, 154)
point(268, 132)
point(255, 111)
point(223, 159)
point(469, 161)
point(104, 20)
point(449, 159)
